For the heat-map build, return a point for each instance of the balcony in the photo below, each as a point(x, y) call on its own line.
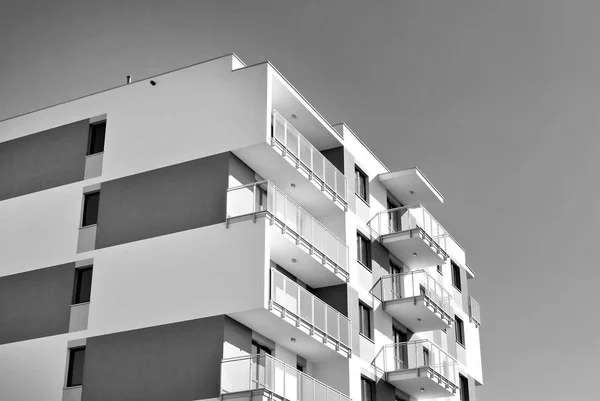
point(309, 314)
point(474, 312)
point(419, 368)
point(410, 187)
point(415, 299)
point(298, 241)
point(412, 234)
point(293, 163)
point(248, 377)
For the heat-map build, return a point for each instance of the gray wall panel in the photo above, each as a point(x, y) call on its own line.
point(336, 296)
point(36, 303)
point(163, 201)
point(175, 362)
point(43, 160)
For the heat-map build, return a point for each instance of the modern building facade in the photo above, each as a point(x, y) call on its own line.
point(206, 234)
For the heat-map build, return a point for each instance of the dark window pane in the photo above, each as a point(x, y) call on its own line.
point(439, 269)
point(97, 133)
point(363, 249)
point(91, 202)
point(83, 285)
point(76, 361)
point(366, 389)
point(459, 330)
point(360, 183)
point(456, 276)
point(365, 320)
point(464, 388)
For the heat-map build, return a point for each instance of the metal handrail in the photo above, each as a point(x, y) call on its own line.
point(434, 291)
point(305, 153)
point(474, 311)
point(314, 299)
point(300, 215)
point(439, 237)
point(445, 365)
point(256, 358)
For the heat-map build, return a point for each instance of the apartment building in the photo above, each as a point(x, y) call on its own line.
point(206, 234)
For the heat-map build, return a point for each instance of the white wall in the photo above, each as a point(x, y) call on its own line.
point(187, 275)
point(41, 361)
point(40, 229)
point(189, 114)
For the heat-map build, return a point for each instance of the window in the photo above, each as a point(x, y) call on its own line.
point(366, 389)
point(459, 328)
point(83, 285)
point(464, 388)
point(456, 276)
point(361, 183)
point(439, 269)
point(365, 319)
point(91, 202)
point(426, 357)
point(75, 372)
point(96, 139)
point(363, 247)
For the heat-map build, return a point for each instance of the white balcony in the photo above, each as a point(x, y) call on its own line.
point(411, 187)
point(416, 300)
point(309, 314)
point(412, 234)
point(419, 368)
point(252, 377)
point(292, 163)
point(298, 241)
point(474, 312)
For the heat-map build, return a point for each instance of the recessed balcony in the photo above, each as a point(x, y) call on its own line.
point(309, 314)
point(419, 368)
point(263, 376)
point(415, 299)
point(298, 241)
point(291, 162)
point(412, 234)
point(474, 312)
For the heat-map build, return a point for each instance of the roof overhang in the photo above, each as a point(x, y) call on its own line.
point(411, 187)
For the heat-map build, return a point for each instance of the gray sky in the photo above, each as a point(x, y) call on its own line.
point(496, 101)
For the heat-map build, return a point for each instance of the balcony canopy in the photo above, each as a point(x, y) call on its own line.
point(410, 187)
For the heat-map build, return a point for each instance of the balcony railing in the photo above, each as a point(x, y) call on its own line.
point(306, 156)
point(309, 312)
point(263, 372)
point(420, 354)
point(413, 284)
point(408, 218)
point(474, 311)
point(264, 197)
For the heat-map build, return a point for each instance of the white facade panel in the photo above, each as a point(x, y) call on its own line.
point(188, 275)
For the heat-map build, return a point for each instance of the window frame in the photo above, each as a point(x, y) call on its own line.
point(371, 384)
point(459, 331)
point(367, 241)
point(359, 174)
point(70, 367)
point(86, 197)
point(76, 299)
point(439, 269)
point(91, 137)
point(456, 278)
point(362, 309)
point(463, 387)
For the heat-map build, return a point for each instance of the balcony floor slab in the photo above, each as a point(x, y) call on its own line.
point(270, 324)
point(270, 164)
point(417, 313)
point(405, 244)
point(411, 381)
